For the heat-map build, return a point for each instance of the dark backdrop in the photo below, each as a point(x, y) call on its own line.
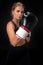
point(36, 7)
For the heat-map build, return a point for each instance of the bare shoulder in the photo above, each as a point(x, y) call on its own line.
point(9, 25)
point(10, 28)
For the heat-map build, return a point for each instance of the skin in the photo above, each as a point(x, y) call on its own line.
point(17, 14)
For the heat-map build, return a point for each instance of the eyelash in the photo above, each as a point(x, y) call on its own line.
point(19, 11)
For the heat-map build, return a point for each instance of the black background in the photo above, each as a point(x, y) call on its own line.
point(36, 7)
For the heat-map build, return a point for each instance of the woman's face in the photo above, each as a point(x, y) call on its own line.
point(18, 12)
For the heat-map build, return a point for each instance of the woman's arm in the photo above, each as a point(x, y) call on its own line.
point(14, 40)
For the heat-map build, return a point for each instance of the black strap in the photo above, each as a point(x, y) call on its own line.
point(16, 28)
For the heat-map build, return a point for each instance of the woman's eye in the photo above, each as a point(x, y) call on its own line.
point(22, 12)
point(18, 11)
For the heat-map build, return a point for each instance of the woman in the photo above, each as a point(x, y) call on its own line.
point(17, 53)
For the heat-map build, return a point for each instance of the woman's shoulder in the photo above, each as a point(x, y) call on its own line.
point(9, 25)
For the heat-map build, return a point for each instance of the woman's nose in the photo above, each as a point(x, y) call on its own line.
point(20, 13)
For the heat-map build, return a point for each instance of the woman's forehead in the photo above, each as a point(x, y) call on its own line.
point(19, 8)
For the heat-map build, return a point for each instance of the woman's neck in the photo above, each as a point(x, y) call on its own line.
point(16, 21)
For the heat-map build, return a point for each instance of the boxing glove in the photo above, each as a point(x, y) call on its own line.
point(28, 23)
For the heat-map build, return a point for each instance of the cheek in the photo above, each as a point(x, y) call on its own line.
point(15, 13)
point(22, 15)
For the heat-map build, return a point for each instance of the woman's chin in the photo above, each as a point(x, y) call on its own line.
point(19, 18)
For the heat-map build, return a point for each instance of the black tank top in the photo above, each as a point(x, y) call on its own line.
point(16, 28)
